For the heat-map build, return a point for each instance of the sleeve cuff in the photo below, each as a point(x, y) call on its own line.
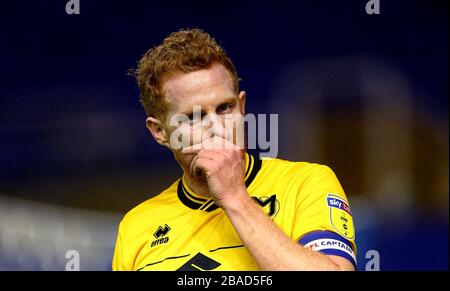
point(329, 243)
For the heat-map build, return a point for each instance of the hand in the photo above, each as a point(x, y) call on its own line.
point(223, 165)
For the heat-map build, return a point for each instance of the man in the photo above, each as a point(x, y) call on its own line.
point(230, 210)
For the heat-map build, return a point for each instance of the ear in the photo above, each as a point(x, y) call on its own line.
point(242, 96)
point(158, 131)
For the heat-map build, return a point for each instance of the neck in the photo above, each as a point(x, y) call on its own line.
point(198, 185)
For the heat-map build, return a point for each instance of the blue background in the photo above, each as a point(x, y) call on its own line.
point(72, 134)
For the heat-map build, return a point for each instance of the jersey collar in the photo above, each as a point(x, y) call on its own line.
point(194, 201)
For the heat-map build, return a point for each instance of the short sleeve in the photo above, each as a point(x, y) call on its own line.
point(324, 220)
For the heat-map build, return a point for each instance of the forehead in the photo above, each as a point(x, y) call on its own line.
point(198, 87)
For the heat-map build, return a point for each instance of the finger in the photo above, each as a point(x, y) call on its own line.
point(211, 154)
point(192, 166)
point(214, 143)
point(208, 154)
point(193, 148)
point(200, 166)
point(220, 143)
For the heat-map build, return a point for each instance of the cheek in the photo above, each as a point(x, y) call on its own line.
point(183, 160)
point(186, 134)
point(235, 130)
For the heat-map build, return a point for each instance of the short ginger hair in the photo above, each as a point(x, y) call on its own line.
point(183, 51)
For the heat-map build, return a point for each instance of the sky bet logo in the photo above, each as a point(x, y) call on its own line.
point(160, 235)
point(338, 203)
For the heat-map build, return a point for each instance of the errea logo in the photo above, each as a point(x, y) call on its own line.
point(160, 235)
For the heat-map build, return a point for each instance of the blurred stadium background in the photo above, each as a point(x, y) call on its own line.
point(365, 94)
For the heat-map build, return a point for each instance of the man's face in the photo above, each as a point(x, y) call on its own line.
point(206, 94)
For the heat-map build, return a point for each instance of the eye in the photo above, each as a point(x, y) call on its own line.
point(224, 107)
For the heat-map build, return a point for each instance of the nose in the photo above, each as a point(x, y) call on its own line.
point(214, 124)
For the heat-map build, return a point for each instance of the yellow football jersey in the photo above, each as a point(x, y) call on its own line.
point(179, 230)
